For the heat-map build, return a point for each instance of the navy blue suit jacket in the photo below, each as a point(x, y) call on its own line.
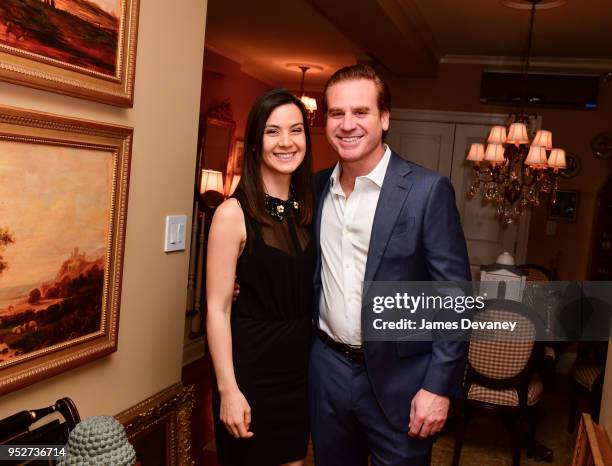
point(416, 236)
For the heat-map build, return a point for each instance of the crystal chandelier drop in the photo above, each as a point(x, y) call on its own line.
point(510, 172)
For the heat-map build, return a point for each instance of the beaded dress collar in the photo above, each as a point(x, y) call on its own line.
point(278, 209)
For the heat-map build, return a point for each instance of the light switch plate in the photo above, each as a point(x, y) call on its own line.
point(176, 226)
point(551, 228)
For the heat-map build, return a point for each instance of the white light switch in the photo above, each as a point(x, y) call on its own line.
point(551, 228)
point(176, 225)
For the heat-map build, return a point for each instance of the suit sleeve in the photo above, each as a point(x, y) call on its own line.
point(446, 258)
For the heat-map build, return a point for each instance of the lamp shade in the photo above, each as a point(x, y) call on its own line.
point(234, 185)
point(497, 135)
point(517, 134)
point(536, 157)
point(543, 139)
point(556, 160)
point(495, 154)
point(212, 180)
point(477, 152)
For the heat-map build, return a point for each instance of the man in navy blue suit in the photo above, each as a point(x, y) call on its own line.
point(378, 218)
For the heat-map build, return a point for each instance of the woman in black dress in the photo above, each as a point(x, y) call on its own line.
point(260, 344)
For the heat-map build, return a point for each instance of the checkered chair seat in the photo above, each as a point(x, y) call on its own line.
point(499, 355)
point(506, 397)
point(585, 372)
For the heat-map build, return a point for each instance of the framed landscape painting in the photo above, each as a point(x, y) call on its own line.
point(83, 48)
point(63, 207)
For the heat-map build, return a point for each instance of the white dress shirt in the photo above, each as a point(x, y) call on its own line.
point(346, 226)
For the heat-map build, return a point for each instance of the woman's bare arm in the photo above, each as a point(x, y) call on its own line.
point(225, 242)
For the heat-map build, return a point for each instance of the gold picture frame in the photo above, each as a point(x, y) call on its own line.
point(63, 213)
point(234, 164)
point(160, 426)
point(88, 52)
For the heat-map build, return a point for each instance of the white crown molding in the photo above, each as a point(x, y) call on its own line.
point(543, 62)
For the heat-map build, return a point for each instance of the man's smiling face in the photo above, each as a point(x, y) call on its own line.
point(354, 123)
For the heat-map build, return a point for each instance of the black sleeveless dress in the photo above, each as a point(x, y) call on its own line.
point(271, 336)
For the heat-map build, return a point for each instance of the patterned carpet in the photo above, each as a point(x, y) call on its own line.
point(487, 442)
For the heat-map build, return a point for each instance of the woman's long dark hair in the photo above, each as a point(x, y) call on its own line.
point(250, 189)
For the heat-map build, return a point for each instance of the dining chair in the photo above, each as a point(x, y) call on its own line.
point(500, 377)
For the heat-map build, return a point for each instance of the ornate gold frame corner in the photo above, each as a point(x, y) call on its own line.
point(171, 408)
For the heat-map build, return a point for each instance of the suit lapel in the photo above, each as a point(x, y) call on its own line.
point(321, 189)
point(395, 189)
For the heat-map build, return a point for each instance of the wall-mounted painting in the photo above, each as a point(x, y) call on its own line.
point(63, 207)
point(84, 48)
point(565, 209)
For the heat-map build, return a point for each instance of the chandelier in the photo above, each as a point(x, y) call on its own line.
point(310, 103)
point(510, 172)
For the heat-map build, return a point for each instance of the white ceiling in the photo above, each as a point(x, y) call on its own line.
point(264, 35)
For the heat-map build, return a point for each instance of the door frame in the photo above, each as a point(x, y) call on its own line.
point(471, 118)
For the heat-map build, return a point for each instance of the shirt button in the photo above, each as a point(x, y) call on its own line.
point(347, 266)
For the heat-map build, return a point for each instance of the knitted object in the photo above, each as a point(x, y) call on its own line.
point(98, 441)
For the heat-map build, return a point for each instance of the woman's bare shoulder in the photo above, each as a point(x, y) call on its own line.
point(229, 210)
point(229, 219)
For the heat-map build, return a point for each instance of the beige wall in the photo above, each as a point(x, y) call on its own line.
point(457, 88)
point(164, 118)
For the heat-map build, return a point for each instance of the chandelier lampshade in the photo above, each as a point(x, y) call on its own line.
point(477, 152)
point(536, 158)
point(517, 134)
point(497, 135)
point(543, 139)
point(556, 160)
point(495, 154)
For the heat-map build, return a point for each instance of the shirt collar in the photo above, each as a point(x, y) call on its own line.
point(377, 175)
